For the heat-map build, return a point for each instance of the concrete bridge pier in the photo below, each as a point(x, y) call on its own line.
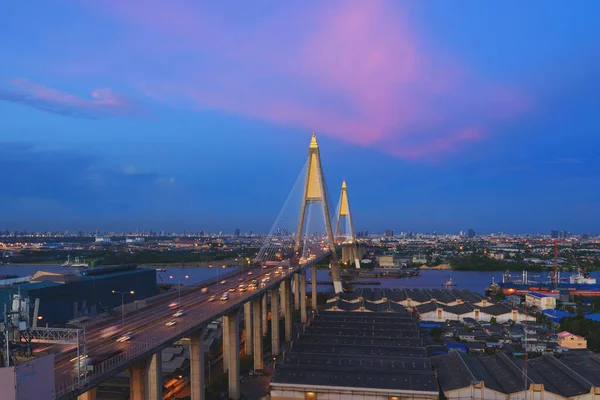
point(137, 382)
point(248, 332)
point(265, 315)
point(275, 322)
point(154, 378)
point(145, 379)
point(302, 295)
point(89, 395)
point(287, 306)
point(197, 361)
point(314, 287)
point(258, 342)
point(296, 283)
point(232, 344)
point(225, 335)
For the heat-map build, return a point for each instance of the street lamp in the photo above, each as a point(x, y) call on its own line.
point(218, 281)
point(179, 287)
point(123, 304)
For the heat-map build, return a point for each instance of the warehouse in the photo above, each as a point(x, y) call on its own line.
point(356, 356)
point(66, 296)
point(501, 377)
point(434, 305)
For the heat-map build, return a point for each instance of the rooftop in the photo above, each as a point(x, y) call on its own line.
point(375, 350)
point(568, 376)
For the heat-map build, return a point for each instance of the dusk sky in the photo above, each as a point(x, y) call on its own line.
point(197, 115)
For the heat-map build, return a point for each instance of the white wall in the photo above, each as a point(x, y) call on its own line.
point(325, 393)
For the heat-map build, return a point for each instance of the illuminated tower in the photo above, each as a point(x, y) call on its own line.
point(315, 192)
point(349, 246)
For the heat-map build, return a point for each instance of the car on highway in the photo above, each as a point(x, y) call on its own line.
point(211, 298)
point(174, 305)
point(223, 282)
point(80, 358)
point(225, 296)
point(204, 290)
point(264, 266)
point(171, 323)
point(179, 313)
point(125, 337)
point(249, 272)
point(242, 288)
point(82, 365)
point(108, 332)
point(232, 289)
point(252, 286)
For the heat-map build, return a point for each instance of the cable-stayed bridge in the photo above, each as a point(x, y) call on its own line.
point(307, 231)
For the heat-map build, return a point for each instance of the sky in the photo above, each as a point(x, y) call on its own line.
point(197, 115)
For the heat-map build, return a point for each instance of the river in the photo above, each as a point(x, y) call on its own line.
point(429, 279)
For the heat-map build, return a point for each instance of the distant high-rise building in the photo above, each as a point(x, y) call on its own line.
point(565, 234)
point(585, 236)
point(389, 233)
point(470, 233)
point(554, 234)
point(237, 232)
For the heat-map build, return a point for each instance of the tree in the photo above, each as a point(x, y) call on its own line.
point(436, 334)
point(596, 304)
point(493, 321)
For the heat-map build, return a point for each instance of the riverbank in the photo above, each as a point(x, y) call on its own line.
point(440, 267)
point(30, 265)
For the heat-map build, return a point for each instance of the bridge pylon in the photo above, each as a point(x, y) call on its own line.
point(349, 246)
point(315, 192)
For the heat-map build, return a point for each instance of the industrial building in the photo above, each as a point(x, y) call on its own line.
point(540, 301)
point(499, 377)
point(436, 305)
point(354, 355)
point(66, 296)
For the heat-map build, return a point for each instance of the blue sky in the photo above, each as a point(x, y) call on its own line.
point(197, 116)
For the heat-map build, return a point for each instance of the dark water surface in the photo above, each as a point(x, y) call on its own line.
point(430, 279)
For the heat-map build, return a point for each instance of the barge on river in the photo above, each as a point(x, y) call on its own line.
point(581, 284)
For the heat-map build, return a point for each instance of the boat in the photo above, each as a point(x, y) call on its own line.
point(449, 283)
point(77, 264)
point(582, 277)
point(578, 285)
point(161, 270)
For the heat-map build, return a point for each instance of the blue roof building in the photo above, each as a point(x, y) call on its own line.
point(593, 317)
point(556, 315)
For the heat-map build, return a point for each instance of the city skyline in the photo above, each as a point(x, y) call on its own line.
point(193, 117)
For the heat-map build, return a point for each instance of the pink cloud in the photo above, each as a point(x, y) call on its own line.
point(103, 102)
point(353, 70)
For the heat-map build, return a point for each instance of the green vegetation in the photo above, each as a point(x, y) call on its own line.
point(436, 334)
point(587, 328)
point(476, 262)
point(163, 257)
point(110, 256)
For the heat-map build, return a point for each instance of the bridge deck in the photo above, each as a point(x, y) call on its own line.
point(149, 334)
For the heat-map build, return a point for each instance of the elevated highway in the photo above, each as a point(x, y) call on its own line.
point(149, 333)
